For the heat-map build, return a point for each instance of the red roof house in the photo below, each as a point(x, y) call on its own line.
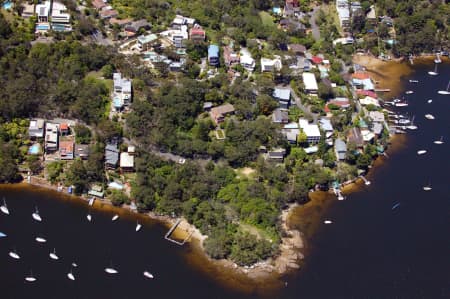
point(316, 60)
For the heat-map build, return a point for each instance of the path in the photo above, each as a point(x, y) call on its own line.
point(315, 30)
point(302, 107)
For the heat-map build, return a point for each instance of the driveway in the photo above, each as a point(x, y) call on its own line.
point(312, 21)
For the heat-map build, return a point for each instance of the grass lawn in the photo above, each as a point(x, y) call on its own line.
point(266, 19)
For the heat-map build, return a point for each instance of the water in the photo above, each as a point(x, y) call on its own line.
point(370, 250)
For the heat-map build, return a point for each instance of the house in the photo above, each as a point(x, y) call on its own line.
point(280, 116)
point(340, 149)
point(64, 129)
point(291, 131)
point(111, 155)
point(283, 96)
point(131, 150)
point(27, 10)
point(371, 16)
point(276, 154)
point(108, 13)
point(133, 28)
point(122, 91)
point(60, 17)
point(36, 128)
point(311, 131)
point(98, 4)
point(246, 60)
point(145, 42)
point(213, 55)
point(297, 49)
point(230, 57)
point(354, 136)
point(361, 80)
point(316, 60)
point(81, 151)
point(270, 65)
point(309, 80)
point(367, 135)
point(120, 22)
point(180, 21)
point(51, 137)
point(291, 8)
point(377, 128)
point(343, 10)
point(197, 34)
point(388, 21)
point(376, 116)
point(207, 106)
point(126, 162)
point(326, 126)
point(218, 113)
point(42, 12)
point(369, 101)
point(96, 191)
point(66, 150)
point(341, 103)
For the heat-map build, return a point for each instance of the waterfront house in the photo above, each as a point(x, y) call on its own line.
point(36, 128)
point(369, 101)
point(376, 116)
point(81, 151)
point(270, 65)
point(218, 113)
point(42, 12)
point(280, 116)
point(126, 162)
point(340, 149)
point(213, 55)
point(51, 137)
point(310, 82)
point(283, 96)
point(96, 191)
point(66, 150)
point(354, 136)
point(246, 60)
point(64, 129)
point(111, 155)
point(311, 131)
point(230, 57)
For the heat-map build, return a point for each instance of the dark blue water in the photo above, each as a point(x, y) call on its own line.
point(370, 251)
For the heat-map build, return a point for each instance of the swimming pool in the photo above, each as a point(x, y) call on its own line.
point(34, 149)
point(7, 5)
point(42, 27)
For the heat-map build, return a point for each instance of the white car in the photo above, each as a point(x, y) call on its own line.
point(181, 160)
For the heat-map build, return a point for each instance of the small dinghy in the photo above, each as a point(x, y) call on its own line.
point(427, 188)
point(412, 127)
point(14, 255)
point(91, 201)
point(430, 101)
point(115, 217)
point(111, 271)
point(395, 206)
point(138, 226)
point(53, 255)
point(36, 215)
point(429, 116)
point(40, 240)
point(4, 208)
point(421, 152)
point(74, 265)
point(2, 235)
point(89, 217)
point(70, 275)
point(409, 92)
point(413, 81)
point(328, 222)
point(440, 141)
point(30, 278)
point(148, 274)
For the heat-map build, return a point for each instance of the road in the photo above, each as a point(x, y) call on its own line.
point(312, 21)
point(302, 107)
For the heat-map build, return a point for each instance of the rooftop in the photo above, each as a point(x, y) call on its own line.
point(126, 160)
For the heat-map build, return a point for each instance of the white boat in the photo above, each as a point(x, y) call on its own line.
point(115, 217)
point(3, 235)
point(427, 188)
point(412, 127)
point(36, 215)
point(40, 240)
point(14, 255)
point(148, 274)
point(4, 207)
point(91, 201)
point(403, 121)
point(413, 81)
point(421, 152)
point(74, 265)
point(445, 92)
point(430, 101)
point(53, 255)
point(401, 104)
point(328, 222)
point(70, 275)
point(111, 271)
point(429, 116)
point(440, 141)
point(138, 226)
point(30, 278)
point(89, 217)
point(433, 73)
point(409, 92)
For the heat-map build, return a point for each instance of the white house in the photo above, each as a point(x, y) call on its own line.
point(246, 60)
point(51, 137)
point(311, 131)
point(269, 65)
point(309, 80)
point(60, 17)
point(122, 91)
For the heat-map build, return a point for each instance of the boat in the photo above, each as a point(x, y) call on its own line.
point(74, 265)
point(445, 92)
point(115, 217)
point(148, 274)
point(111, 271)
point(413, 81)
point(328, 222)
point(91, 201)
point(395, 206)
point(412, 127)
point(404, 121)
point(401, 104)
point(430, 101)
point(437, 59)
point(2, 235)
point(429, 116)
point(36, 215)
point(434, 73)
point(30, 278)
point(14, 255)
point(138, 226)
point(40, 240)
point(70, 275)
point(4, 207)
point(440, 141)
point(421, 152)
point(427, 188)
point(409, 92)
point(89, 217)
point(53, 255)
point(398, 131)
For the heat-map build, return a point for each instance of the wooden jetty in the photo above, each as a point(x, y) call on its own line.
point(382, 90)
point(367, 182)
point(172, 229)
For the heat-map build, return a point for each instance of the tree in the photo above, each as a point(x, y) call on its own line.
point(265, 104)
point(34, 163)
point(83, 134)
point(54, 169)
point(118, 198)
point(77, 176)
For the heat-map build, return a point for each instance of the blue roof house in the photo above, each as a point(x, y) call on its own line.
point(213, 55)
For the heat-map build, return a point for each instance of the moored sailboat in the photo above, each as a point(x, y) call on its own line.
point(14, 255)
point(148, 274)
point(433, 73)
point(53, 255)
point(31, 277)
point(445, 92)
point(138, 226)
point(40, 240)
point(115, 217)
point(4, 207)
point(440, 141)
point(36, 215)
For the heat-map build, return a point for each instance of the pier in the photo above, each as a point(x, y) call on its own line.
point(382, 90)
point(367, 182)
point(172, 229)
